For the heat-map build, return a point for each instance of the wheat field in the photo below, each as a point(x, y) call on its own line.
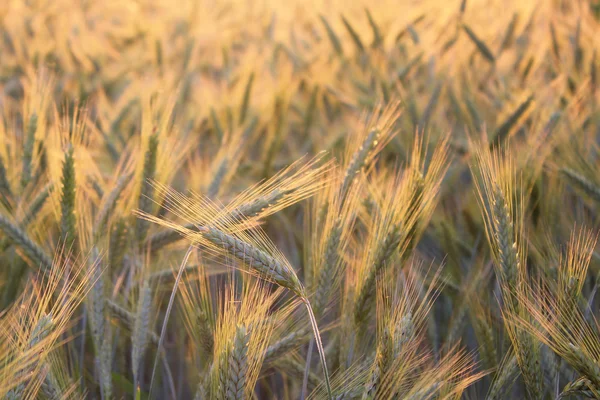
point(299, 200)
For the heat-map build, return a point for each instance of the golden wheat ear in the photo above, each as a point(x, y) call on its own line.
point(226, 236)
point(299, 181)
point(39, 323)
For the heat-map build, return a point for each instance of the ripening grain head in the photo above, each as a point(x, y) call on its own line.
point(40, 321)
point(246, 313)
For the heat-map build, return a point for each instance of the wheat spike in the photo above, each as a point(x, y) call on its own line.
point(257, 260)
point(580, 386)
point(126, 317)
point(68, 222)
point(141, 328)
point(28, 145)
point(366, 295)
point(96, 300)
point(5, 190)
point(582, 183)
point(330, 258)
point(109, 204)
point(237, 365)
point(505, 376)
point(145, 201)
point(286, 344)
point(20, 238)
point(40, 331)
point(36, 205)
point(105, 363)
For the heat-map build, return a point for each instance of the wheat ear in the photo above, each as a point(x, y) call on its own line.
point(147, 190)
point(68, 222)
point(20, 238)
point(237, 365)
point(141, 328)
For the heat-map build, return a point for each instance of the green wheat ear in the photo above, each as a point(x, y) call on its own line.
point(28, 146)
point(330, 258)
point(109, 204)
point(141, 329)
point(580, 387)
point(237, 365)
point(67, 202)
point(359, 160)
point(505, 127)
point(145, 201)
point(36, 204)
point(5, 190)
point(582, 183)
point(333, 38)
point(19, 237)
point(271, 269)
point(480, 44)
point(286, 344)
point(246, 99)
point(505, 376)
point(40, 331)
point(215, 184)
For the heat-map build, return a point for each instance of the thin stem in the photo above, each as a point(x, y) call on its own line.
point(307, 369)
point(167, 314)
point(313, 322)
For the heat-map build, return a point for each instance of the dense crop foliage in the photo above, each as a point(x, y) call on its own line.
point(300, 199)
